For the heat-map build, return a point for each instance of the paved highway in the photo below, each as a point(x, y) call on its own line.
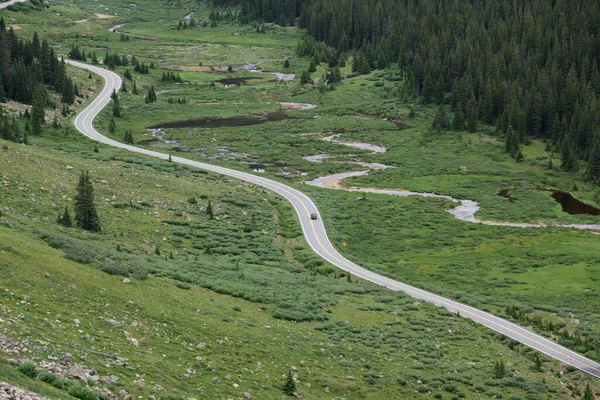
point(316, 235)
point(10, 3)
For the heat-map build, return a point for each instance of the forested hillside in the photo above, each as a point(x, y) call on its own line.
point(27, 68)
point(529, 64)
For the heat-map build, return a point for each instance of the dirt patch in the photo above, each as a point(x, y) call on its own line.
point(200, 69)
point(104, 16)
point(81, 21)
point(16, 27)
point(334, 184)
point(224, 122)
point(489, 140)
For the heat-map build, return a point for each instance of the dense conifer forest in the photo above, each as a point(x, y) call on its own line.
point(27, 69)
point(529, 64)
point(26, 64)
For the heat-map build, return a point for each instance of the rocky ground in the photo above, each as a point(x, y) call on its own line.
point(10, 392)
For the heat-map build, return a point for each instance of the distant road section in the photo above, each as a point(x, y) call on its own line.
point(316, 235)
point(10, 3)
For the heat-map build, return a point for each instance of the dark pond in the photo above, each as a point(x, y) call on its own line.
point(505, 193)
point(224, 122)
point(573, 206)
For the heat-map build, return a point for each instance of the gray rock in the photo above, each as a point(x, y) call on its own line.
point(111, 379)
point(77, 371)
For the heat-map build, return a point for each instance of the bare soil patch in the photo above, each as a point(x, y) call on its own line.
point(104, 16)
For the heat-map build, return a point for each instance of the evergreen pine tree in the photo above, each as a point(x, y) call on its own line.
point(587, 394)
point(567, 155)
point(289, 386)
point(441, 119)
point(209, 211)
point(458, 123)
point(472, 115)
point(112, 126)
point(38, 115)
point(151, 95)
point(594, 164)
point(65, 219)
point(85, 209)
point(116, 105)
point(499, 369)
point(134, 89)
point(128, 137)
point(305, 78)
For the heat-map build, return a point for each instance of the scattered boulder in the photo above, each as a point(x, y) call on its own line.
point(113, 322)
point(111, 379)
point(126, 280)
point(77, 371)
point(463, 169)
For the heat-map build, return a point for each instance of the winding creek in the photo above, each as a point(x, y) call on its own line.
point(465, 211)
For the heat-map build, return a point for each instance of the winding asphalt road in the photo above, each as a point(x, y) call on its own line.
point(10, 3)
point(316, 235)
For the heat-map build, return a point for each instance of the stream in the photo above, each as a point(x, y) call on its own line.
point(465, 211)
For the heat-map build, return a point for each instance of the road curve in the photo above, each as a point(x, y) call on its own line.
point(10, 3)
point(316, 236)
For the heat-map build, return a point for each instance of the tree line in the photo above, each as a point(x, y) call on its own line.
point(532, 65)
point(27, 70)
point(26, 64)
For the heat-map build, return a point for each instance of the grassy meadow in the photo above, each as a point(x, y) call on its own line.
point(244, 284)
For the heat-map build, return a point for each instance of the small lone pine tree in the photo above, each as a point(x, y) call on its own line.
point(116, 105)
point(209, 211)
point(112, 126)
point(85, 210)
point(587, 394)
point(151, 95)
point(65, 219)
point(289, 386)
point(499, 369)
point(128, 137)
